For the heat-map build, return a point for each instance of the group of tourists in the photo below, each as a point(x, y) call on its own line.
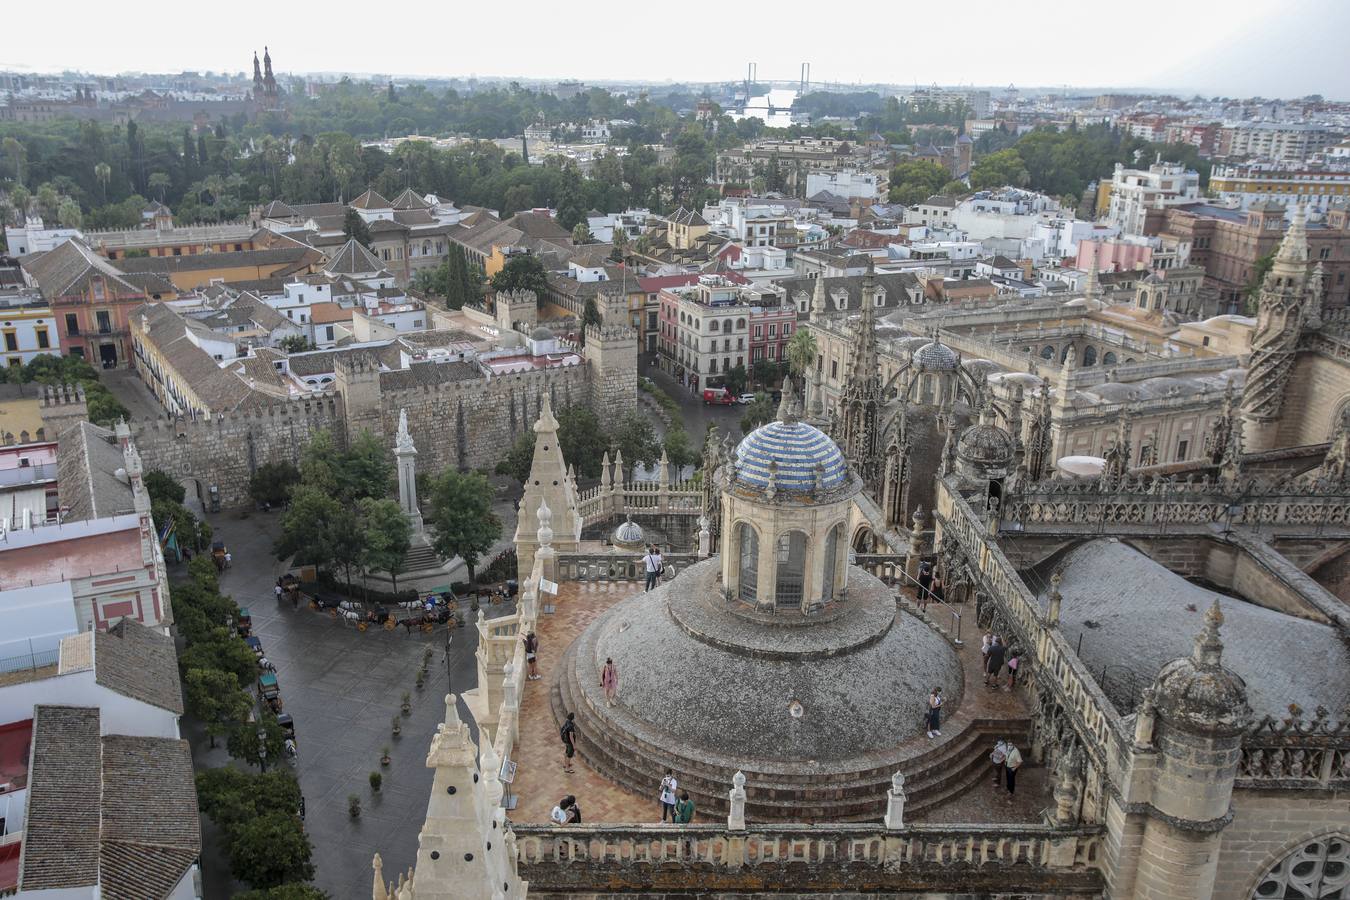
point(997, 656)
point(654, 565)
point(930, 585)
point(1007, 759)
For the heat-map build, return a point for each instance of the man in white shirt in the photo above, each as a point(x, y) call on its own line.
point(652, 563)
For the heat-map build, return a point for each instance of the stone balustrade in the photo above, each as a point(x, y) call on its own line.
point(604, 502)
point(616, 566)
point(1296, 754)
point(822, 858)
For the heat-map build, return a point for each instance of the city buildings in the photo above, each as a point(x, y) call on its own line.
point(27, 326)
point(1279, 142)
point(1134, 199)
point(1312, 185)
point(714, 325)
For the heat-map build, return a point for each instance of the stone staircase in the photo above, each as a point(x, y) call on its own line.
point(934, 774)
point(422, 558)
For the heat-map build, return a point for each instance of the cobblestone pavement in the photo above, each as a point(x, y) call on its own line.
point(132, 392)
point(343, 687)
point(540, 781)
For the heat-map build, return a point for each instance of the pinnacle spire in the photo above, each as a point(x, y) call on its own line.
point(1092, 288)
point(1208, 646)
point(1293, 251)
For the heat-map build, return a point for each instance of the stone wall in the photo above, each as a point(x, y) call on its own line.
point(225, 451)
point(611, 353)
point(1318, 388)
point(1266, 827)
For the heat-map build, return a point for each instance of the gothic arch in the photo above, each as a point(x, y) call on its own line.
point(745, 547)
point(1314, 867)
point(1090, 356)
point(1341, 406)
point(1048, 352)
point(1109, 358)
point(863, 539)
point(791, 574)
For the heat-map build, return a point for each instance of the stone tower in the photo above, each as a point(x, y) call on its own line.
point(548, 483)
point(465, 851)
point(611, 352)
point(1187, 745)
point(357, 380)
point(1281, 311)
point(517, 309)
point(858, 418)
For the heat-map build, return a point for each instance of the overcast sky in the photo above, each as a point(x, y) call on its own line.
point(1237, 47)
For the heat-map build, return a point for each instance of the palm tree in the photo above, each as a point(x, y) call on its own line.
point(802, 351)
point(159, 182)
point(103, 172)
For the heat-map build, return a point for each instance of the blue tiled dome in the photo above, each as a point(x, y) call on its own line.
point(797, 448)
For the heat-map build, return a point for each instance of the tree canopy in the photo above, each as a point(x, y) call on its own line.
point(461, 519)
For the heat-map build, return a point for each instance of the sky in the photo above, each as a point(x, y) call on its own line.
point(1234, 48)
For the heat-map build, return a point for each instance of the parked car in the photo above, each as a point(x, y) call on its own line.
point(745, 399)
point(719, 396)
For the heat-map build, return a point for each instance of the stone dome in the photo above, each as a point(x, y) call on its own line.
point(541, 333)
point(801, 458)
point(936, 356)
point(1197, 690)
point(985, 444)
point(629, 535)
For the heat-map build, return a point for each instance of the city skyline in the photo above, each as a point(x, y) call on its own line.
point(1241, 50)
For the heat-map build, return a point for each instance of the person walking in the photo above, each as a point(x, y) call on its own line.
point(925, 579)
point(999, 758)
point(938, 591)
point(1014, 660)
point(985, 643)
point(684, 810)
point(935, 713)
point(994, 663)
point(277, 590)
point(652, 564)
point(568, 733)
point(531, 656)
point(1010, 767)
point(609, 680)
point(668, 788)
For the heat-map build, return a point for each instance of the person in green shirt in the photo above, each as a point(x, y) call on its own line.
point(684, 810)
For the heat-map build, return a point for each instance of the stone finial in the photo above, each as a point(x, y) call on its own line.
point(736, 818)
point(895, 803)
point(771, 488)
point(1066, 790)
point(545, 517)
point(917, 519)
point(403, 443)
point(1145, 717)
point(379, 891)
point(606, 474)
point(704, 537)
point(546, 421)
point(1056, 599)
point(663, 468)
point(1208, 646)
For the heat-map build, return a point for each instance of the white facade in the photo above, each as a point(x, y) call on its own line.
point(1060, 235)
point(34, 237)
point(844, 184)
point(1276, 141)
point(1314, 187)
point(1135, 191)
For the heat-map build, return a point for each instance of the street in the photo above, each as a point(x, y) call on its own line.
point(343, 687)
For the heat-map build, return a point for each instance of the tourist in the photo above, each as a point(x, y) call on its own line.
point(994, 663)
point(531, 654)
point(925, 579)
point(998, 758)
point(1014, 660)
point(609, 680)
point(1010, 767)
point(568, 733)
point(229, 559)
point(277, 590)
point(668, 788)
point(559, 814)
point(574, 813)
point(652, 564)
point(660, 560)
point(935, 712)
point(938, 592)
point(985, 643)
point(684, 810)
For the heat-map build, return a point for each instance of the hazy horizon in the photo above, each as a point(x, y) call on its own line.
point(1239, 49)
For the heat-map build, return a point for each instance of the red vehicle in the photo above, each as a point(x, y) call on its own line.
point(718, 395)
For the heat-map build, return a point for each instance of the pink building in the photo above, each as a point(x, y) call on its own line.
point(1114, 255)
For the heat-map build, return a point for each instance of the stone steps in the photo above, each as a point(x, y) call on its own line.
point(422, 558)
point(934, 775)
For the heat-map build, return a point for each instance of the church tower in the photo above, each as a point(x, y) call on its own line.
point(1279, 320)
point(269, 80)
point(257, 78)
point(858, 419)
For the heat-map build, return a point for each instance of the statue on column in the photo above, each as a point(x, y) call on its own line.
point(406, 455)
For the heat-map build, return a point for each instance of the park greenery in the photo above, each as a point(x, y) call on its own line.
point(104, 408)
point(454, 282)
point(460, 518)
point(585, 439)
point(169, 513)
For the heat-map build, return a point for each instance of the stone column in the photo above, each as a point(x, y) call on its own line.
point(912, 559)
point(895, 803)
point(406, 454)
point(736, 818)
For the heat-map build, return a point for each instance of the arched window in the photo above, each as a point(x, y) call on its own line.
point(1318, 869)
point(1048, 352)
point(1090, 356)
point(712, 326)
point(740, 323)
point(790, 566)
point(748, 576)
point(1064, 354)
point(829, 564)
point(726, 325)
point(1109, 359)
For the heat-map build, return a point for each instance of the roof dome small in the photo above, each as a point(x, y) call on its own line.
point(985, 444)
point(936, 356)
point(542, 333)
point(629, 535)
point(796, 457)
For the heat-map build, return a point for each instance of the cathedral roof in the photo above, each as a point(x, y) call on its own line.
point(936, 356)
point(797, 457)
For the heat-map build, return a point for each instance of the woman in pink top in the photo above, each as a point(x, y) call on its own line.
point(609, 680)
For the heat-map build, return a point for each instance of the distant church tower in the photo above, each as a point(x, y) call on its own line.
point(858, 419)
point(1279, 320)
point(257, 79)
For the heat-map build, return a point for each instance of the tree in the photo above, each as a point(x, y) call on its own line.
point(160, 485)
point(220, 648)
point(915, 180)
point(68, 214)
point(581, 234)
point(214, 697)
point(388, 537)
point(257, 742)
point(271, 484)
point(354, 227)
point(516, 463)
point(634, 436)
point(367, 469)
point(159, 182)
point(1260, 269)
point(103, 172)
point(270, 850)
point(232, 796)
point(462, 522)
point(760, 410)
point(954, 189)
point(1004, 168)
point(522, 272)
point(308, 526)
point(590, 315)
point(679, 451)
point(297, 343)
point(802, 351)
point(764, 372)
point(735, 379)
point(288, 891)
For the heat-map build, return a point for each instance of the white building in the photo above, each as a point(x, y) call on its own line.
point(1134, 192)
point(1315, 185)
point(27, 327)
point(1279, 142)
point(34, 237)
point(1059, 236)
point(849, 185)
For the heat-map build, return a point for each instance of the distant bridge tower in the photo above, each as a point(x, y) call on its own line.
point(806, 78)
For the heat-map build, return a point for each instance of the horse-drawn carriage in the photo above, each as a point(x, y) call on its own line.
point(269, 691)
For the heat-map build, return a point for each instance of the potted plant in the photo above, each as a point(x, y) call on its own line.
point(398, 726)
point(375, 779)
point(426, 658)
point(353, 805)
point(384, 756)
point(407, 703)
point(421, 678)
